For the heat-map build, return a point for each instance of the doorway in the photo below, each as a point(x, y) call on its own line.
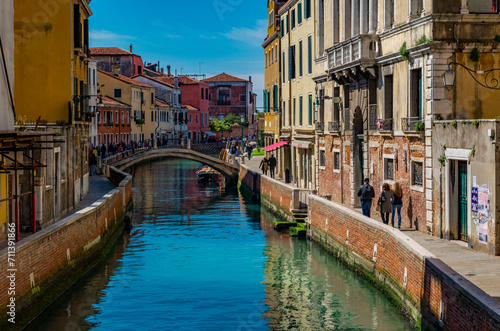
point(357, 138)
point(462, 201)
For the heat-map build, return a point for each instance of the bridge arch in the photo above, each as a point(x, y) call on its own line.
point(226, 169)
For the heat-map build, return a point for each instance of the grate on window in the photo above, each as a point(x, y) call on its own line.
point(418, 174)
point(322, 158)
point(336, 160)
point(389, 169)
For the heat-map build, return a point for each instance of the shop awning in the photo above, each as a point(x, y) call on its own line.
point(274, 146)
point(208, 133)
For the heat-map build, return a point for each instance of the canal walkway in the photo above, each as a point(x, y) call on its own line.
point(480, 269)
point(99, 185)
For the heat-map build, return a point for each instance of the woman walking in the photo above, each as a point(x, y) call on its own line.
point(385, 202)
point(264, 165)
point(397, 203)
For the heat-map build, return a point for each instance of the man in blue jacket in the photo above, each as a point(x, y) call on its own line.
point(366, 193)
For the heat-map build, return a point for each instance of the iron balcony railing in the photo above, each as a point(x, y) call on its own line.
point(412, 124)
point(320, 126)
point(385, 124)
point(334, 126)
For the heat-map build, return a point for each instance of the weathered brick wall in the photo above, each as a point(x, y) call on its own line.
point(428, 280)
point(44, 255)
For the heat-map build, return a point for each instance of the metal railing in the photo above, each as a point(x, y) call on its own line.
point(385, 124)
point(412, 124)
point(372, 114)
point(334, 126)
point(320, 126)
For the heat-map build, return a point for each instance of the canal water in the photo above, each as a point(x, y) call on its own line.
point(199, 258)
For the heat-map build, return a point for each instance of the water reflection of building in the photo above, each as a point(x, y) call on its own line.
point(307, 289)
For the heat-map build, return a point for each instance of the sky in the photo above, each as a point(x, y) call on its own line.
point(216, 35)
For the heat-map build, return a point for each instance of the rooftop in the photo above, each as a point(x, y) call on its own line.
point(107, 100)
point(224, 78)
point(124, 79)
point(108, 51)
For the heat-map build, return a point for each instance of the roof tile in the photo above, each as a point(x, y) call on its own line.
point(224, 78)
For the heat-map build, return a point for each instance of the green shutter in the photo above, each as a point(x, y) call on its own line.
point(265, 100)
point(299, 12)
point(276, 98)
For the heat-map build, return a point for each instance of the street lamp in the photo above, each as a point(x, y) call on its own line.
point(449, 77)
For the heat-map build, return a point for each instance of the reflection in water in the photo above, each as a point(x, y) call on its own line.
point(202, 259)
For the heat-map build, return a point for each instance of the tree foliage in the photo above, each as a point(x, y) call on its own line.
point(230, 119)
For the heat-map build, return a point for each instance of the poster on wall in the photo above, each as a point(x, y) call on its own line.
point(483, 212)
point(474, 200)
point(483, 230)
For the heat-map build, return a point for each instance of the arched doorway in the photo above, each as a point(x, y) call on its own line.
point(358, 156)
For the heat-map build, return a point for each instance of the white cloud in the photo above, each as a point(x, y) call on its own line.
point(211, 37)
point(104, 35)
point(172, 36)
point(252, 36)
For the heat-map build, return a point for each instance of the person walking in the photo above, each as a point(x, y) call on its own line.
point(397, 203)
point(272, 165)
point(249, 151)
point(264, 165)
point(384, 202)
point(366, 193)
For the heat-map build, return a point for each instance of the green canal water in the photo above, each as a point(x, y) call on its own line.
point(199, 258)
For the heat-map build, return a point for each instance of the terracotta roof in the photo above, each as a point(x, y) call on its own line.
point(189, 107)
point(222, 78)
point(156, 79)
point(160, 103)
point(282, 7)
point(108, 51)
point(124, 79)
point(106, 100)
point(183, 80)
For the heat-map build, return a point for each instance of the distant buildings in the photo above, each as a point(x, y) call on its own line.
point(117, 60)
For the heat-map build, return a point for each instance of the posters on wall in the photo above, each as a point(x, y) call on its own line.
point(483, 208)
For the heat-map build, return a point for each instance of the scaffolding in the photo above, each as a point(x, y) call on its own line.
point(17, 153)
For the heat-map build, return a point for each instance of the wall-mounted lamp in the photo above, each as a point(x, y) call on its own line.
point(449, 77)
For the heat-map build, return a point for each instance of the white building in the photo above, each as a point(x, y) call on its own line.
point(7, 70)
point(92, 90)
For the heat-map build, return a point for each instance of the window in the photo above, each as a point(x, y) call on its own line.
point(389, 168)
point(309, 55)
point(77, 27)
point(224, 95)
point(321, 27)
point(417, 173)
point(292, 19)
point(346, 97)
point(118, 93)
point(117, 119)
point(483, 6)
point(152, 116)
point(282, 28)
point(389, 90)
point(196, 118)
point(310, 109)
point(300, 59)
point(300, 111)
point(152, 98)
point(284, 68)
point(190, 118)
point(416, 94)
point(299, 13)
point(128, 117)
point(416, 7)
point(307, 8)
point(206, 93)
point(284, 114)
point(142, 98)
point(291, 69)
point(243, 97)
point(202, 96)
point(287, 24)
point(109, 118)
point(271, 18)
point(336, 160)
point(276, 53)
point(123, 117)
point(293, 113)
point(388, 13)
point(322, 158)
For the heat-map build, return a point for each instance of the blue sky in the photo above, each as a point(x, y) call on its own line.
point(225, 35)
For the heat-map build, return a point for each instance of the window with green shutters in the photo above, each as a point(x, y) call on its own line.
point(299, 13)
point(310, 109)
point(307, 8)
point(282, 30)
point(276, 98)
point(292, 19)
point(287, 24)
point(291, 59)
point(284, 68)
point(309, 55)
point(300, 111)
point(300, 59)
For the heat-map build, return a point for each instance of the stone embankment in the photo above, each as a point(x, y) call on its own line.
point(431, 293)
point(39, 268)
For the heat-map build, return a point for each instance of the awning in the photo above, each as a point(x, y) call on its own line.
point(208, 133)
point(274, 146)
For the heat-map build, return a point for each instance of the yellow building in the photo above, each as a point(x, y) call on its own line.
point(298, 49)
point(51, 60)
point(272, 81)
point(139, 95)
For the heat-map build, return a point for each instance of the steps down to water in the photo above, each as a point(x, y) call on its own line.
point(297, 227)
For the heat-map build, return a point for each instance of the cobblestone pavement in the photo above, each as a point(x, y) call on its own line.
point(480, 269)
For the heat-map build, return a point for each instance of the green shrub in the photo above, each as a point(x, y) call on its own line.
point(474, 54)
point(404, 52)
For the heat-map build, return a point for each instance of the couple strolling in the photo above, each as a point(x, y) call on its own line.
point(389, 201)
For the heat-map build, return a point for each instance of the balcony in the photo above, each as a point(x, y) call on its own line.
point(379, 124)
point(334, 126)
point(354, 58)
point(412, 124)
point(320, 126)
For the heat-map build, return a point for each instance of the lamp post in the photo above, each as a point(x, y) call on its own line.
point(242, 124)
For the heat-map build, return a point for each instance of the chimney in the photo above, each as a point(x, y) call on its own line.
point(162, 71)
point(116, 70)
point(176, 81)
point(130, 48)
point(168, 70)
point(250, 79)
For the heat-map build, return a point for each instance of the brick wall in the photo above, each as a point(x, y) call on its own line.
point(429, 283)
point(44, 255)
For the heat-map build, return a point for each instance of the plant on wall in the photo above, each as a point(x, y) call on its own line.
point(442, 160)
point(404, 52)
point(497, 38)
point(419, 126)
point(423, 40)
point(474, 54)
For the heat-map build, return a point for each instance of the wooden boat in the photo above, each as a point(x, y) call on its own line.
point(207, 174)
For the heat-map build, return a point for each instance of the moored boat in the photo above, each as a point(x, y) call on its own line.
point(207, 174)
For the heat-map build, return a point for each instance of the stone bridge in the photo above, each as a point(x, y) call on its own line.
point(229, 171)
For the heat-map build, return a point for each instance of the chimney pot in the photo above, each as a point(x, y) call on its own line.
point(250, 79)
point(130, 48)
point(168, 70)
point(162, 70)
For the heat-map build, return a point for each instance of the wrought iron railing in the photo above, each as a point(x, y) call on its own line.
point(320, 126)
point(372, 114)
point(347, 120)
point(412, 124)
point(385, 124)
point(334, 126)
